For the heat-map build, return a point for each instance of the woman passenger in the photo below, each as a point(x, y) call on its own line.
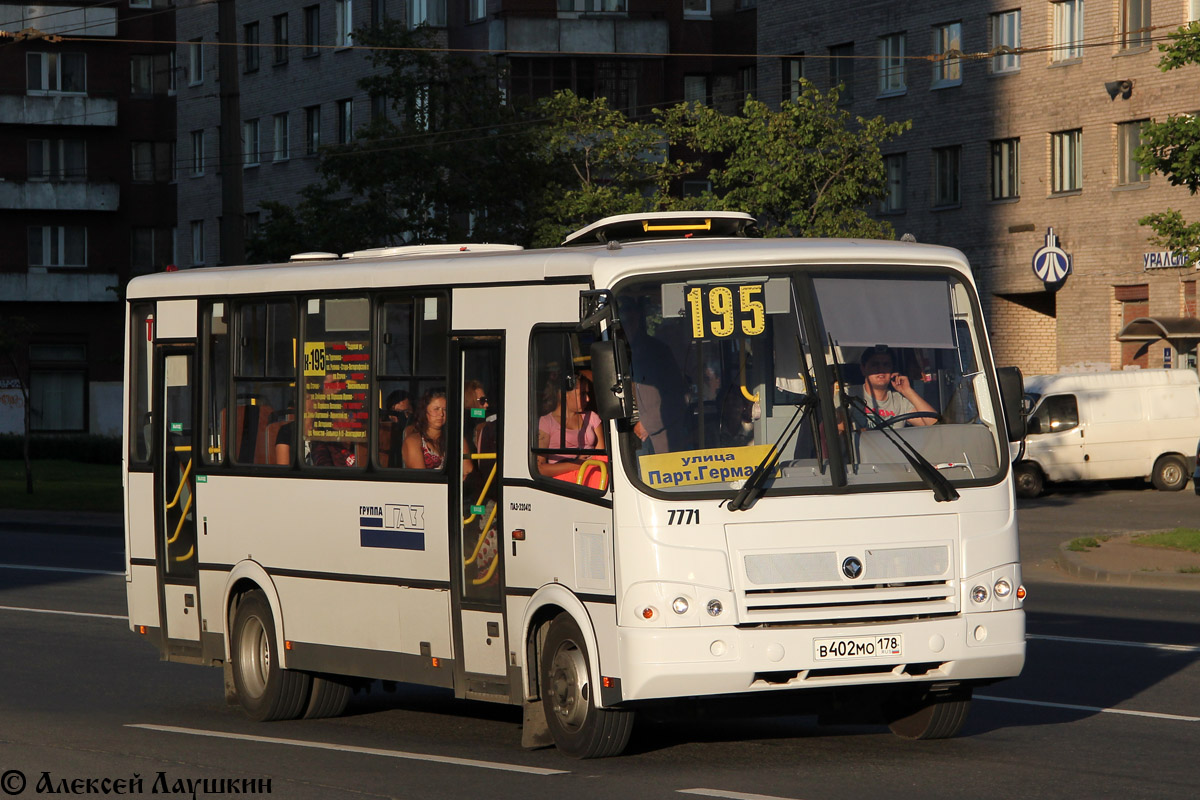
point(425, 446)
point(583, 430)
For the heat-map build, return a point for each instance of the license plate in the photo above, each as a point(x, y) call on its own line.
point(883, 645)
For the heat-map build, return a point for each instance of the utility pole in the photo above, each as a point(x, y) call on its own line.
point(233, 215)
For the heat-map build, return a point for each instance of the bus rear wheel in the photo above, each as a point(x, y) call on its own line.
point(329, 697)
point(265, 691)
point(928, 715)
point(579, 728)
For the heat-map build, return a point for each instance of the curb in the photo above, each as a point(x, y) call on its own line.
point(1074, 564)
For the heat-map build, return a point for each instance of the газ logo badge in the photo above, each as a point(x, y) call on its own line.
point(852, 567)
point(395, 526)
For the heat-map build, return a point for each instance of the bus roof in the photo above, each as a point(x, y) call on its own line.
point(598, 265)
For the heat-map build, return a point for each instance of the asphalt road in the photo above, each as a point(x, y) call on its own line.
point(1108, 706)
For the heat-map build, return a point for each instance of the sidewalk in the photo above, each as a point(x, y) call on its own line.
point(92, 523)
point(1118, 561)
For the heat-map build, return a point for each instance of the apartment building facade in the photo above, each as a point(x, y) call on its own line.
point(1025, 117)
point(87, 197)
point(299, 73)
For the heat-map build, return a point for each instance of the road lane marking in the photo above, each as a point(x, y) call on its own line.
point(32, 568)
point(730, 795)
point(64, 613)
point(345, 748)
point(1175, 648)
point(1093, 709)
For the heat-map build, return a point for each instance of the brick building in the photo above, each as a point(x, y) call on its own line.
point(298, 97)
point(87, 197)
point(1006, 146)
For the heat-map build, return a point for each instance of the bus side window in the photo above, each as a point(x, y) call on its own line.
point(411, 346)
point(567, 438)
point(216, 384)
point(264, 378)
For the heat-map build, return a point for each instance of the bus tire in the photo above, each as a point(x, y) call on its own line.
point(579, 728)
point(1028, 478)
point(329, 697)
point(927, 715)
point(265, 691)
point(1170, 474)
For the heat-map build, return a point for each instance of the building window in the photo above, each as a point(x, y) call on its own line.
point(282, 145)
point(696, 188)
point(947, 71)
point(1129, 137)
point(344, 22)
point(476, 10)
point(1006, 169)
point(946, 162)
point(695, 89)
point(280, 24)
point(747, 84)
point(57, 246)
point(696, 9)
point(153, 162)
point(57, 387)
point(895, 169)
point(250, 143)
point(56, 72)
point(250, 52)
point(378, 107)
point(1066, 161)
point(151, 249)
point(345, 121)
point(841, 71)
point(1006, 32)
point(195, 63)
point(57, 160)
point(197, 152)
point(197, 241)
point(428, 12)
point(379, 11)
point(1068, 30)
point(152, 74)
point(793, 71)
point(1135, 23)
point(312, 30)
point(891, 64)
point(590, 5)
point(312, 130)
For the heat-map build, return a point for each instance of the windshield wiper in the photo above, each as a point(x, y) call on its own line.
point(754, 485)
point(943, 490)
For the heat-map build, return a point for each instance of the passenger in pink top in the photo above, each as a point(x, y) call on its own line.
point(571, 426)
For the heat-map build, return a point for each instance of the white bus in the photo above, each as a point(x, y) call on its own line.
point(643, 465)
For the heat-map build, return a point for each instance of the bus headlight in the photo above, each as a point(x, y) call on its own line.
point(715, 608)
point(1002, 588)
point(979, 594)
point(680, 605)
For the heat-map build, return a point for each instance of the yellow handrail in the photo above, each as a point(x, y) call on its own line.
point(593, 462)
point(187, 555)
point(487, 576)
point(753, 398)
point(487, 526)
point(183, 516)
point(486, 485)
point(182, 483)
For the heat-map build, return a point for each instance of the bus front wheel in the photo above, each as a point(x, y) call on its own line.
point(265, 691)
point(579, 728)
point(922, 714)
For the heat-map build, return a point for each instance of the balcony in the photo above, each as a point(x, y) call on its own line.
point(56, 196)
point(58, 287)
point(58, 109)
point(582, 35)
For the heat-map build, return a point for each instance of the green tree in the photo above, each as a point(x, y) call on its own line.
point(807, 169)
point(1172, 148)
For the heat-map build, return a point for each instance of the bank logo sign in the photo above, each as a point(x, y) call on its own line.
point(399, 527)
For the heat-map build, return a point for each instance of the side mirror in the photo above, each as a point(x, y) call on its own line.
point(1012, 395)
point(614, 394)
point(1033, 426)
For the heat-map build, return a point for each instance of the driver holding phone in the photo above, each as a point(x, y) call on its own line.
point(886, 392)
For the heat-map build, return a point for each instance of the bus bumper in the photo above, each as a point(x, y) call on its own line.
point(681, 662)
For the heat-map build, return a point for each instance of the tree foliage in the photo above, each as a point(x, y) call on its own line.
point(456, 161)
point(1172, 147)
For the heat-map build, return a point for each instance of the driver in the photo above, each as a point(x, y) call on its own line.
point(886, 392)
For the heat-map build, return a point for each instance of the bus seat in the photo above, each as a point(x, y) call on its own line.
point(251, 436)
point(271, 437)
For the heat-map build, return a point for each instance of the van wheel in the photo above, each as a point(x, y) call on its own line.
point(1170, 474)
point(1029, 479)
point(579, 728)
point(924, 715)
point(265, 691)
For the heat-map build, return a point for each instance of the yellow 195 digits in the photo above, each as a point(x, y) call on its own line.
point(719, 315)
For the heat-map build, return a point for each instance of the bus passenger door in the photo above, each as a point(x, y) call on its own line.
point(478, 511)
point(175, 492)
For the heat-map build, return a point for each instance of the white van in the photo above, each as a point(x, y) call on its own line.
point(1105, 425)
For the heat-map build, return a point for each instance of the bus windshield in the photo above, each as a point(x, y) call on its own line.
point(721, 364)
